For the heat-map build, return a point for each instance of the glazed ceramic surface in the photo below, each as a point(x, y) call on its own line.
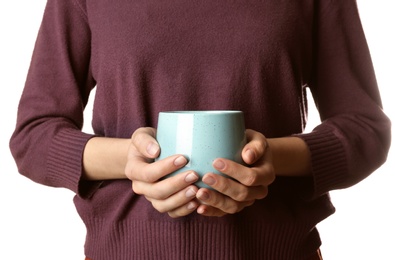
point(201, 136)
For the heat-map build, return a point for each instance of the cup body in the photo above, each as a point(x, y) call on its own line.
point(201, 136)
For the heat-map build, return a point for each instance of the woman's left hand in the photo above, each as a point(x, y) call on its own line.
point(250, 182)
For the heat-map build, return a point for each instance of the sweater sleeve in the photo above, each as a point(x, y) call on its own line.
point(354, 137)
point(48, 143)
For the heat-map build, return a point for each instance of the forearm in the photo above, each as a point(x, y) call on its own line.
point(291, 156)
point(105, 158)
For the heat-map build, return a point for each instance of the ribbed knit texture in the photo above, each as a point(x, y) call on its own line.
point(148, 56)
point(325, 150)
point(155, 240)
point(143, 233)
point(65, 156)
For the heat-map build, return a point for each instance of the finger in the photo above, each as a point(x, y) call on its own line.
point(261, 174)
point(177, 204)
point(184, 210)
point(255, 147)
point(144, 141)
point(163, 189)
point(220, 201)
point(137, 169)
point(209, 211)
point(233, 189)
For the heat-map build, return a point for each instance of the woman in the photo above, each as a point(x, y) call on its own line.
point(150, 56)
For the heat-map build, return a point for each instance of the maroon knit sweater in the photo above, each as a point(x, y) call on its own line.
point(148, 56)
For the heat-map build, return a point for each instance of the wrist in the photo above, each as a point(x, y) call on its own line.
point(291, 156)
point(105, 158)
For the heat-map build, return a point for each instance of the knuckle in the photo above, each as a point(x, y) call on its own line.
point(229, 206)
point(258, 138)
point(242, 195)
point(223, 187)
point(270, 174)
point(251, 179)
point(131, 172)
point(136, 188)
point(149, 178)
point(159, 207)
point(263, 192)
point(147, 173)
point(232, 208)
point(128, 172)
point(157, 193)
point(134, 138)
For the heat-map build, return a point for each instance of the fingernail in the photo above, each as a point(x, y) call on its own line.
point(191, 205)
point(250, 154)
point(190, 193)
point(152, 149)
point(209, 180)
point(201, 211)
point(180, 160)
point(191, 177)
point(204, 196)
point(219, 164)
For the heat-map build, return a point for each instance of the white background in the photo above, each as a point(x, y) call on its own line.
point(38, 222)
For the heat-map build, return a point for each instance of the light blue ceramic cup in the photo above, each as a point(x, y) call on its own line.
point(201, 136)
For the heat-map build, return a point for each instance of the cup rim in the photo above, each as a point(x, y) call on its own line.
point(202, 112)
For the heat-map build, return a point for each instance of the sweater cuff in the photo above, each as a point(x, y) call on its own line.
point(328, 159)
point(65, 162)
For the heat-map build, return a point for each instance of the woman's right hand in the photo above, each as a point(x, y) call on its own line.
point(174, 195)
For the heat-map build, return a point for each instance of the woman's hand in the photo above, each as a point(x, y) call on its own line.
point(174, 195)
point(250, 182)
